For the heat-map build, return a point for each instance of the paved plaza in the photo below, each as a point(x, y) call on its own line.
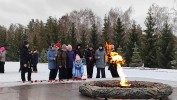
point(67, 91)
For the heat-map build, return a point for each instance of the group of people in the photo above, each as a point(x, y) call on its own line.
point(70, 65)
point(67, 62)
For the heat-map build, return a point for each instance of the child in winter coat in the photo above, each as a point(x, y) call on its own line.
point(78, 68)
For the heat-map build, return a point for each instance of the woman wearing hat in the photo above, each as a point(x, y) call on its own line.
point(61, 63)
point(100, 61)
point(52, 63)
point(69, 61)
point(2, 59)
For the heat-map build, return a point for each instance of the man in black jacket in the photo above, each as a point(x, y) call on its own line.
point(90, 60)
point(25, 61)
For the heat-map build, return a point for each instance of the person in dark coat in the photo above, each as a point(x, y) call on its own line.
point(69, 61)
point(100, 61)
point(34, 60)
point(25, 61)
point(79, 51)
point(52, 64)
point(61, 63)
point(90, 60)
point(113, 65)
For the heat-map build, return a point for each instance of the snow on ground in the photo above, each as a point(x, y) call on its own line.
point(12, 73)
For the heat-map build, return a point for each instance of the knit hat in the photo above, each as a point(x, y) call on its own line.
point(69, 46)
point(100, 45)
point(25, 42)
point(52, 45)
point(2, 49)
point(112, 46)
point(63, 47)
point(58, 45)
point(77, 58)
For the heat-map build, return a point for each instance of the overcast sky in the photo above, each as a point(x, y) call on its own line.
point(22, 11)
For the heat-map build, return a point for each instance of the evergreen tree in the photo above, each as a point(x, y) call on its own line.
point(15, 40)
point(83, 38)
point(118, 34)
point(31, 26)
point(73, 35)
point(149, 51)
point(43, 56)
point(3, 36)
point(63, 34)
point(52, 29)
point(43, 41)
point(166, 49)
point(133, 37)
point(106, 30)
point(94, 36)
point(136, 60)
point(35, 42)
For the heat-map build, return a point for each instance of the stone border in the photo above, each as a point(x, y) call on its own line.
point(146, 90)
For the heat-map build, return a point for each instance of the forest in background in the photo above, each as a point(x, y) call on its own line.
point(154, 46)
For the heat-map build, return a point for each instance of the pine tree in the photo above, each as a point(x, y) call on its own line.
point(133, 37)
point(52, 29)
point(94, 36)
point(3, 36)
point(35, 42)
point(43, 56)
point(63, 38)
point(118, 34)
point(166, 50)
point(149, 51)
point(83, 38)
point(136, 60)
point(43, 41)
point(73, 35)
point(106, 30)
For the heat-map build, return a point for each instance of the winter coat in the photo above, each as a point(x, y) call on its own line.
point(70, 59)
point(78, 69)
point(24, 56)
point(34, 58)
point(3, 56)
point(100, 62)
point(61, 59)
point(51, 54)
point(90, 53)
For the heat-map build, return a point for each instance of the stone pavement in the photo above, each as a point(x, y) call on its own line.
point(68, 91)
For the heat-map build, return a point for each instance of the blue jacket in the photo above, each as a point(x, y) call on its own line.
point(51, 54)
point(70, 59)
point(78, 69)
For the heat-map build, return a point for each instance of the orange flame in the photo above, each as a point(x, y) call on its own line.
point(116, 58)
